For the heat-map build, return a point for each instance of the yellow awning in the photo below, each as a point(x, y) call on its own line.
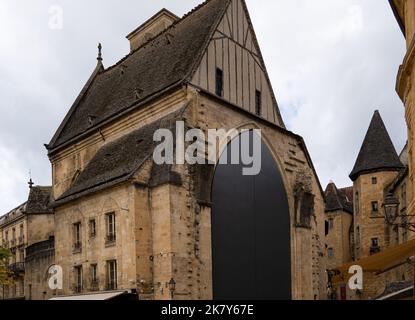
point(380, 262)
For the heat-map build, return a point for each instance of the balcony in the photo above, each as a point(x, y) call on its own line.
point(5, 244)
point(77, 247)
point(41, 250)
point(17, 268)
point(21, 240)
point(110, 239)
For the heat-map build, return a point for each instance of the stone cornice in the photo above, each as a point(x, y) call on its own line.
point(403, 84)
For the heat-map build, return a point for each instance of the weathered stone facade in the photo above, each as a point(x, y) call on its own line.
point(163, 213)
point(378, 173)
point(405, 13)
point(23, 228)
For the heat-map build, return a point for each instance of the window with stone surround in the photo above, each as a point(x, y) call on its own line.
point(375, 207)
point(374, 180)
point(357, 204)
point(112, 275)
point(110, 228)
point(375, 248)
point(78, 285)
point(94, 277)
point(331, 224)
point(92, 228)
point(77, 237)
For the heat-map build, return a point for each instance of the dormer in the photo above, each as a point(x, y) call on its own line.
point(151, 28)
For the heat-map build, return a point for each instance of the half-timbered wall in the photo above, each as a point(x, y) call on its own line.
point(233, 49)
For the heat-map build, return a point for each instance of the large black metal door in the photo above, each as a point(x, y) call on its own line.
point(250, 231)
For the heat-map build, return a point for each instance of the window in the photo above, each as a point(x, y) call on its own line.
point(258, 103)
point(112, 275)
point(375, 207)
point(331, 224)
point(375, 246)
point(357, 204)
point(92, 228)
point(94, 277)
point(357, 237)
point(78, 279)
point(374, 180)
point(77, 244)
point(110, 221)
point(403, 196)
point(14, 234)
point(304, 208)
point(21, 253)
point(219, 82)
point(330, 253)
point(21, 234)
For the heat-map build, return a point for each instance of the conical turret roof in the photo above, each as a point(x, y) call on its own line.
point(377, 152)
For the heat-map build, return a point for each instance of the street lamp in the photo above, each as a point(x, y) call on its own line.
point(390, 206)
point(172, 287)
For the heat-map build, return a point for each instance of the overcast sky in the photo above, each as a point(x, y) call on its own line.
point(331, 63)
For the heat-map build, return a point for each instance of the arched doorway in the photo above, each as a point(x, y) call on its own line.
point(251, 250)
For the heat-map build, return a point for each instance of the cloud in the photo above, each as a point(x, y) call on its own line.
point(332, 63)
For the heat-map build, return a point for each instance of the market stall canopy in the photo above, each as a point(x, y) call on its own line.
point(380, 262)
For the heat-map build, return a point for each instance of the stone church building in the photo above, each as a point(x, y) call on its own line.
point(124, 222)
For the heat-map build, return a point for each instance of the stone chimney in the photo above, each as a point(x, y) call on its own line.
point(151, 28)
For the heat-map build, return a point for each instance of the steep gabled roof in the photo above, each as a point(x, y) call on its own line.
point(119, 160)
point(39, 200)
point(377, 152)
point(166, 61)
point(338, 199)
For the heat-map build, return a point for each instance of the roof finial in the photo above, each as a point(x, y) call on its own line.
point(99, 52)
point(30, 183)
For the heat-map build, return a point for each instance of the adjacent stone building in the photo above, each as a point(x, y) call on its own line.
point(339, 227)
point(21, 230)
point(404, 11)
point(378, 174)
point(124, 222)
